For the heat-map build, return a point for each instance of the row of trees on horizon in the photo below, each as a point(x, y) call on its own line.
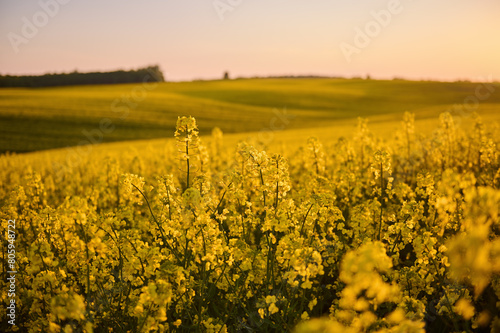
point(146, 74)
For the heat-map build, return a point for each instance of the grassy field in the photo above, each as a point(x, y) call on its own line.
point(37, 119)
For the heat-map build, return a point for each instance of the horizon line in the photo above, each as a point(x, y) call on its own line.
point(366, 76)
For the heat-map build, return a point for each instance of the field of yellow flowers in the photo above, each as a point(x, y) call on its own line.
point(348, 236)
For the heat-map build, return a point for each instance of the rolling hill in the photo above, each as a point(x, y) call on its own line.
point(46, 118)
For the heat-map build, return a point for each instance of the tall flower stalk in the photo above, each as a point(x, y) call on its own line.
point(186, 135)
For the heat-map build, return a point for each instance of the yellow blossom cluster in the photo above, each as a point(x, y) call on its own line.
point(358, 235)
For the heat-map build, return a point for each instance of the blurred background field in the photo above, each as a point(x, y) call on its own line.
point(274, 110)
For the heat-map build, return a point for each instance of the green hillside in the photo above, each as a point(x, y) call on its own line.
point(45, 118)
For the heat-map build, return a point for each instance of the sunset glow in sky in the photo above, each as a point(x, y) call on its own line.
point(191, 39)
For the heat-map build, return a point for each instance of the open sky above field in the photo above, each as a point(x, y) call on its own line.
point(190, 39)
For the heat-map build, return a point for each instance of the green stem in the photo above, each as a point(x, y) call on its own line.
point(381, 200)
point(187, 159)
point(262, 182)
point(305, 218)
point(88, 261)
point(277, 185)
point(159, 227)
point(448, 303)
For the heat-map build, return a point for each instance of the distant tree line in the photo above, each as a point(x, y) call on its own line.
point(147, 74)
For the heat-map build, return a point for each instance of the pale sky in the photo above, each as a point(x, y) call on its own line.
point(191, 39)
